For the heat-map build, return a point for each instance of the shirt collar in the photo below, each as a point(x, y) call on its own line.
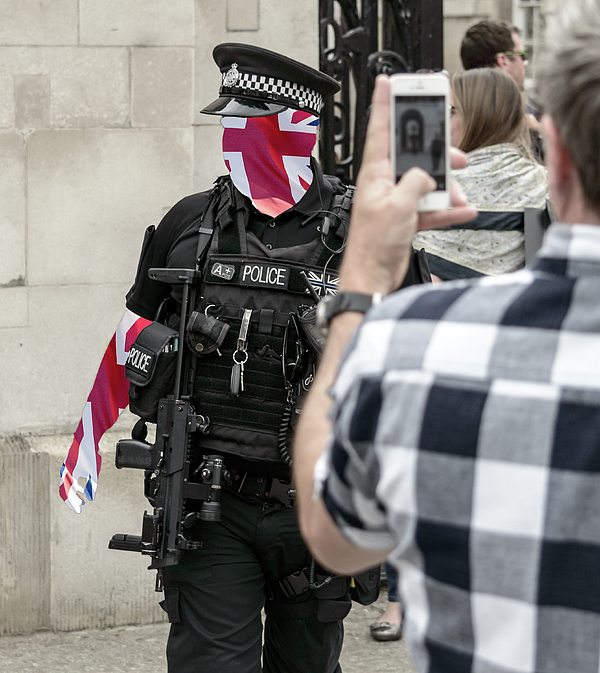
point(318, 195)
point(570, 249)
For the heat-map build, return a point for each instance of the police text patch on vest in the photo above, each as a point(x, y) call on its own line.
point(264, 274)
point(140, 363)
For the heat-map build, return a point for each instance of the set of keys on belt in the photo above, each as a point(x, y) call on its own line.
point(240, 356)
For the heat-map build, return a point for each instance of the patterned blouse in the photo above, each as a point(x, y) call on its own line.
point(498, 178)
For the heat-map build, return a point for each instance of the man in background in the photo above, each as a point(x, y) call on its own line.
point(495, 44)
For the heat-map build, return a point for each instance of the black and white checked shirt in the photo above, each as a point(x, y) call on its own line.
point(467, 436)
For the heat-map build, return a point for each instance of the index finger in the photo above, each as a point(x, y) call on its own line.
point(377, 143)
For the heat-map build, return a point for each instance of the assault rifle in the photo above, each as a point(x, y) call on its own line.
point(171, 482)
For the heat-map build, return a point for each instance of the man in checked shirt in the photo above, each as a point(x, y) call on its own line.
point(457, 431)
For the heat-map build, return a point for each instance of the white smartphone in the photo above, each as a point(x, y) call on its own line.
point(420, 131)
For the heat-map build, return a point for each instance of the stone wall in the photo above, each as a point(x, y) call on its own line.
point(57, 571)
point(100, 135)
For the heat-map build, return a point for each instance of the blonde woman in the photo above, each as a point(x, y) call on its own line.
point(502, 179)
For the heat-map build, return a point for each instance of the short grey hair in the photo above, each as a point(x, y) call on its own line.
point(568, 83)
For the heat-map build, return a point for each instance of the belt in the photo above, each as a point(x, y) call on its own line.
point(267, 489)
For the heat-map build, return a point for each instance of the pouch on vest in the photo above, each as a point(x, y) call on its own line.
point(307, 318)
point(150, 369)
point(205, 333)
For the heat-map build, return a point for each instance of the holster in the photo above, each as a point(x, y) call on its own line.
point(331, 600)
point(365, 586)
point(333, 595)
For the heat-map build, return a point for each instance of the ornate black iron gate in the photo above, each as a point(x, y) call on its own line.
point(360, 39)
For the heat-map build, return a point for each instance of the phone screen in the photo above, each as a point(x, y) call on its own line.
point(420, 136)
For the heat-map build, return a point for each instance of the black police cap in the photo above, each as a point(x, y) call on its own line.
point(257, 82)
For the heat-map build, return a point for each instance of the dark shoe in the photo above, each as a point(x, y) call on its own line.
point(386, 631)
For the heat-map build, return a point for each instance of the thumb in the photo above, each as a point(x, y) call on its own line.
point(414, 184)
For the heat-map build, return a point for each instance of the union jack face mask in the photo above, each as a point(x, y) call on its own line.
point(268, 158)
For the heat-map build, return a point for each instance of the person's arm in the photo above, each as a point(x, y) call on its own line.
point(384, 221)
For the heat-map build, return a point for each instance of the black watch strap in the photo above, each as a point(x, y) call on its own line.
point(331, 305)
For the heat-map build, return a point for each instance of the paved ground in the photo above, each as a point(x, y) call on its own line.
point(142, 648)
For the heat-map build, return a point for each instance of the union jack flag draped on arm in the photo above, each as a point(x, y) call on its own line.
point(107, 399)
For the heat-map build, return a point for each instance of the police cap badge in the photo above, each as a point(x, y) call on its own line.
point(257, 82)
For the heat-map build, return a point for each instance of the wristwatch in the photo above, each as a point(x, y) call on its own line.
point(332, 304)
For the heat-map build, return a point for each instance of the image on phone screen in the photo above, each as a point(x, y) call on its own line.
point(420, 136)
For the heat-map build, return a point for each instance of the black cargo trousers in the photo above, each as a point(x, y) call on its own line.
point(215, 595)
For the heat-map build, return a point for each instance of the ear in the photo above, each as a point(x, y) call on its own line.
point(501, 61)
point(564, 183)
point(558, 158)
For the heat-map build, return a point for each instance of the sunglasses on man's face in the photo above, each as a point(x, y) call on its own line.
point(523, 54)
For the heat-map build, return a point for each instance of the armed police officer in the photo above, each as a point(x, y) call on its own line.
point(268, 240)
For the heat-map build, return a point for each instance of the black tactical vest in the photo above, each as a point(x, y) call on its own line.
point(250, 386)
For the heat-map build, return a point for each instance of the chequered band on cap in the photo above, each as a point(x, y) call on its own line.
point(270, 88)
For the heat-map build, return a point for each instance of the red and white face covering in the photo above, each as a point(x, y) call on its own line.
point(268, 158)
